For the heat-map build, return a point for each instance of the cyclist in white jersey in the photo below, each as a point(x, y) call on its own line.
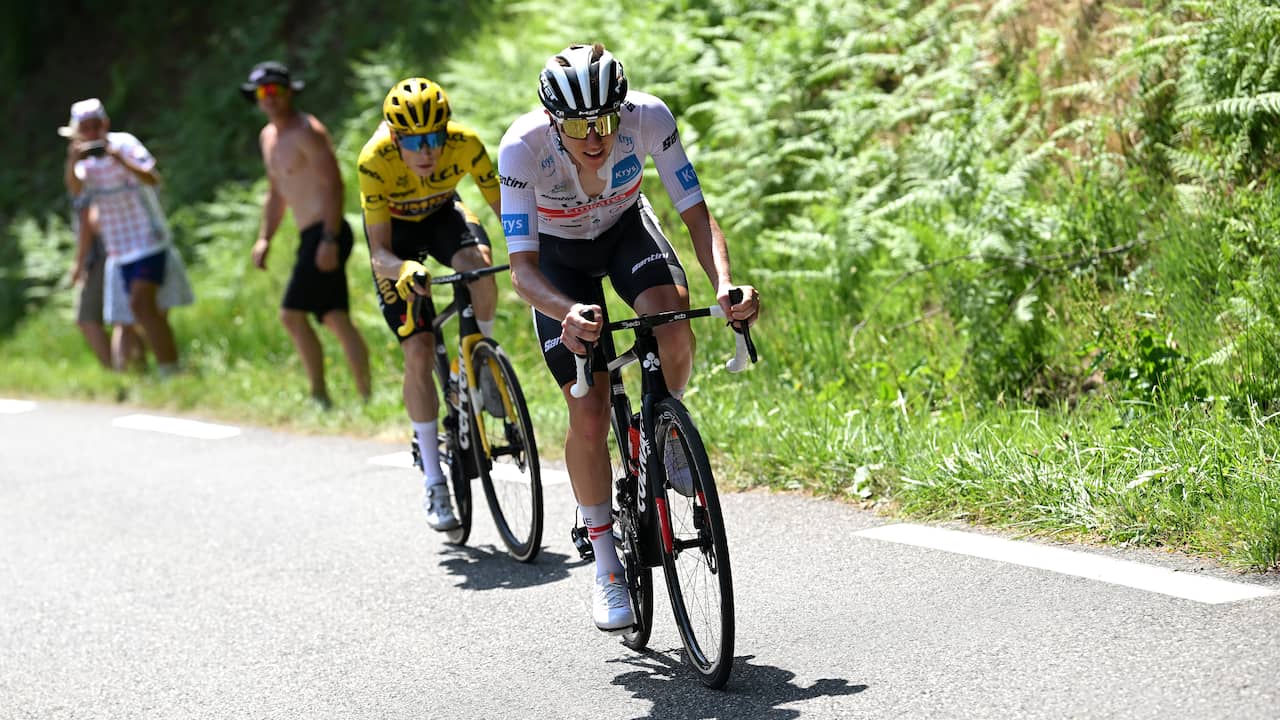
point(572, 212)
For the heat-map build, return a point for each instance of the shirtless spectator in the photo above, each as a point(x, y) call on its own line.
point(302, 174)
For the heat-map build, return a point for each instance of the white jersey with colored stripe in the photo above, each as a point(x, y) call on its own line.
point(540, 188)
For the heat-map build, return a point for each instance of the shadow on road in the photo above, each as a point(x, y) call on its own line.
point(491, 568)
point(754, 691)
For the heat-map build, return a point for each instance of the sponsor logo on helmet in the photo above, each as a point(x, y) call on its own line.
point(626, 171)
point(513, 183)
point(687, 177)
point(515, 223)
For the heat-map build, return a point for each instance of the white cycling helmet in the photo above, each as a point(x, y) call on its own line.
point(582, 81)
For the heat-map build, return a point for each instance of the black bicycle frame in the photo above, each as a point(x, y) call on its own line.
point(653, 389)
point(459, 413)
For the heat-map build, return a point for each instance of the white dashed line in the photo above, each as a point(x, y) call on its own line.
point(1199, 588)
point(14, 407)
point(177, 426)
point(396, 459)
point(501, 471)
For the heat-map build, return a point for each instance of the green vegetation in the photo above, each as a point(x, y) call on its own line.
point(1018, 257)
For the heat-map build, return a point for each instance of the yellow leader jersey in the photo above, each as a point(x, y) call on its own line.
point(389, 189)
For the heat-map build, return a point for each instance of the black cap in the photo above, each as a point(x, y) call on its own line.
point(266, 73)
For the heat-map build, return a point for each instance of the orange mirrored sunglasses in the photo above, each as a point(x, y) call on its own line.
point(269, 90)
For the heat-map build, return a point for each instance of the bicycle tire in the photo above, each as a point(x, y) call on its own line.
point(506, 453)
point(639, 581)
point(695, 549)
point(452, 454)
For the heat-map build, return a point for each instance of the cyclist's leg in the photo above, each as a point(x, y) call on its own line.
point(648, 276)
point(467, 246)
point(409, 240)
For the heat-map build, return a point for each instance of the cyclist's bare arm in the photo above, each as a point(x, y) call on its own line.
point(534, 288)
point(713, 255)
point(385, 263)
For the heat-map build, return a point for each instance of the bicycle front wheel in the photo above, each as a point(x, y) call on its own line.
point(695, 549)
point(506, 452)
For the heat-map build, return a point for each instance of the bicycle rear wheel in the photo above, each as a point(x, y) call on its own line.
point(639, 580)
point(695, 554)
point(506, 452)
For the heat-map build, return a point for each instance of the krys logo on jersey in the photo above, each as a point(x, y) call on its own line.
point(626, 171)
point(515, 224)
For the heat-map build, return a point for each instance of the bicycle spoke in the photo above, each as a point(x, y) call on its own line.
point(507, 453)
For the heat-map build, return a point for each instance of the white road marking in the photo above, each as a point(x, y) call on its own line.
point(177, 426)
point(396, 459)
point(1199, 588)
point(14, 407)
point(502, 471)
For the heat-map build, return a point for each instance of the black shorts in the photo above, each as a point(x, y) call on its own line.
point(440, 235)
point(311, 290)
point(633, 254)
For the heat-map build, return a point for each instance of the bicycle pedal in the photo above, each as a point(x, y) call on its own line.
point(582, 542)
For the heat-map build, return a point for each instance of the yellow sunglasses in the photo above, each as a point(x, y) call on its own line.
point(577, 128)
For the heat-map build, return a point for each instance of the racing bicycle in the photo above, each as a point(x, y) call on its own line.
point(486, 431)
point(667, 510)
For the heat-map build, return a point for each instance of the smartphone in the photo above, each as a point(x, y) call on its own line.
point(95, 148)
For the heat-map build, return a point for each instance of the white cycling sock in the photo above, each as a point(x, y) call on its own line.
point(599, 522)
point(486, 327)
point(678, 394)
point(429, 448)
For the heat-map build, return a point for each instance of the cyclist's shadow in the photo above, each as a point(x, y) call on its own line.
point(491, 568)
point(754, 691)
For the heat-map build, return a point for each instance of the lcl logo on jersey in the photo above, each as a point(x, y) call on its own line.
point(626, 171)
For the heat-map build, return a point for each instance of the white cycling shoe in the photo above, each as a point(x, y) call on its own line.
point(611, 604)
point(439, 507)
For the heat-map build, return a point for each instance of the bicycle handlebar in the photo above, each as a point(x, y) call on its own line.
point(421, 278)
point(745, 349)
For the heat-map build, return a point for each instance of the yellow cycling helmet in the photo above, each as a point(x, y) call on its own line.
point(416, 106)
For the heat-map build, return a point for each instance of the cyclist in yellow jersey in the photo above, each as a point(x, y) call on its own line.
point(408, 173)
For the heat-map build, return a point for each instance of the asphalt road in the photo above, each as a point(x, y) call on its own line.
point(267, 575)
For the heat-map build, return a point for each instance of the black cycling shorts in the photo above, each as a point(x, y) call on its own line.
point(440, 235)
point(633, 254)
